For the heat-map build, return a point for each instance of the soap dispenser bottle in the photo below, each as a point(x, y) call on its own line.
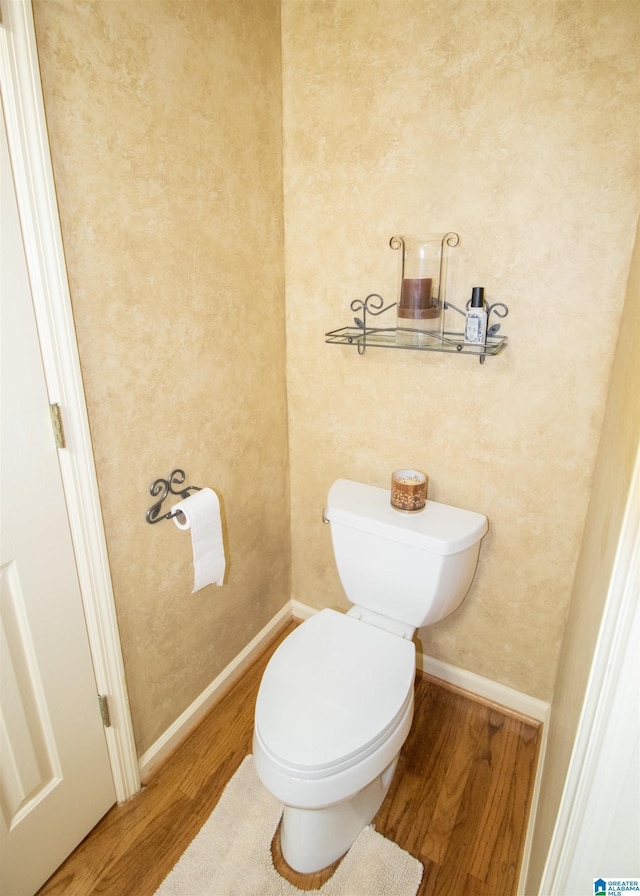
point(475, 327)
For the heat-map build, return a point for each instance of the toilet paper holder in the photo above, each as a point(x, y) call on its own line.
point(165, 487)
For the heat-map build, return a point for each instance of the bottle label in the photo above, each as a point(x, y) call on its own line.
point(474, 328)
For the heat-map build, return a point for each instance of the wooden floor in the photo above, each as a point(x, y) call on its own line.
point(459, 800)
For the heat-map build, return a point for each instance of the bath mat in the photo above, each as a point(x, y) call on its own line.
point(231, 855)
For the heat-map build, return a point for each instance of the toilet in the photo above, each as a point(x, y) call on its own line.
point(335, 703)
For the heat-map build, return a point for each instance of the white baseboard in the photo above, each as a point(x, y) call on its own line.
point(302, 611)
point(184, 724)
point(485, 688)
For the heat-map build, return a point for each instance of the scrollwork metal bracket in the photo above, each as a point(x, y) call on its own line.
point(373, 304)
point(165, 487)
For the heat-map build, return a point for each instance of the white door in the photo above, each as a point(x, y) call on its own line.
point(55, 776)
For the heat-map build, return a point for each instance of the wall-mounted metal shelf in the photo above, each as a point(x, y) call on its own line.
point(375, 337)
point(363, 336)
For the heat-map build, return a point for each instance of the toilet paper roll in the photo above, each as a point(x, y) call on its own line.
point(201, 514)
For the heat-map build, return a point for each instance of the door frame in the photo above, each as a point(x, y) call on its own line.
point(611, 698)
point(37, 205)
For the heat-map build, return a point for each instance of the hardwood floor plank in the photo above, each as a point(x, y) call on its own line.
point(406, 813)
point(475, 887)
point(430, 877)
point(459, 800)
point(502, 874)
point(504, 751)
point(453, 876)
point(462, 752)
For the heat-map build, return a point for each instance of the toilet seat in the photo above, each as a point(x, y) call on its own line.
point(332, 693)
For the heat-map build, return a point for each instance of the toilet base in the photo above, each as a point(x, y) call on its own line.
point(312, 839)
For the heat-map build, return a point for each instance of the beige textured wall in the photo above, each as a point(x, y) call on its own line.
point(165, 129)
point(516, 125)
point(619, 445)
point(513, 123)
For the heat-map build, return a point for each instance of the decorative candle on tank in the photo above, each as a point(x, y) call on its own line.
point(421, 286)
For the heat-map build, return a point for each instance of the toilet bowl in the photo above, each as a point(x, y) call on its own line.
point(335, 704)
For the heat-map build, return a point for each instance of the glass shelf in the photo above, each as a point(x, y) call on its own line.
point(376, 337)
point(451, 342)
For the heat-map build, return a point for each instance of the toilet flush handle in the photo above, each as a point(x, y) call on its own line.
point(324, 518)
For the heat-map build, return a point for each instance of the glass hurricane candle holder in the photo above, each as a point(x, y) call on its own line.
point(422, 274)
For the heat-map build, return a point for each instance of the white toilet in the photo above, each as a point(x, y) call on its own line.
point(335, 703)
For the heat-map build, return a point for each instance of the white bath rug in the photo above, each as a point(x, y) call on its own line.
point(231, 855)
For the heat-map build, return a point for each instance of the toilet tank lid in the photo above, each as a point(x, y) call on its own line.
point(438, 528)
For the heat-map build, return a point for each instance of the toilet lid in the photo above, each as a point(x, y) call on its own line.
point(332, 690)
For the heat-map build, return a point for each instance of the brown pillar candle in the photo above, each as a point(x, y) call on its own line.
point(416, 301)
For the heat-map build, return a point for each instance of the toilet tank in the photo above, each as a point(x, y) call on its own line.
point(412, 567)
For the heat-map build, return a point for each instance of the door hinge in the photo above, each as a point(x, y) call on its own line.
point(58, 428)
point(104, 710)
